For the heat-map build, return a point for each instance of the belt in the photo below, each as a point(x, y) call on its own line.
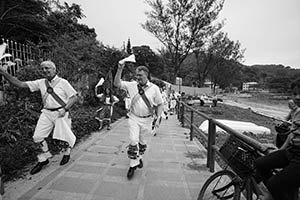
point(142, 116)
point(53, 109)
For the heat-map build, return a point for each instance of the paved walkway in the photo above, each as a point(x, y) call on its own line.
point(174, 169)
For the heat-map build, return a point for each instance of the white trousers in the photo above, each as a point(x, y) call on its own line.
point(138, 128)
point(61, 127)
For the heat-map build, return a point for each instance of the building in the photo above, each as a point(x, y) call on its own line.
point(249, 86)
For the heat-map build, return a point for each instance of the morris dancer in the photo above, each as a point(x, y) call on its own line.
point(173, 99)
point(58, 97)
point(145, 96)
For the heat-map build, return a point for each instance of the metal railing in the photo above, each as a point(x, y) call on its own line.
point(210, 138)
point(21, 54)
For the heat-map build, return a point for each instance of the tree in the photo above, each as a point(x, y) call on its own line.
point(178, 23)
point(145, 56)
point(219, 50)
point(279, 84)
point(24, 20)
point(226, 74)
point(128, 47)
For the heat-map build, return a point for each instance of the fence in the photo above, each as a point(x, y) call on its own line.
point(210, 138)
point(21, 54)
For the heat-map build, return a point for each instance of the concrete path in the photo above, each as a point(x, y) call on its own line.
point(174, 169)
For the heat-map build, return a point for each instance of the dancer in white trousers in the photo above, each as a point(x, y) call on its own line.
point(58, 97)
point(141, 111)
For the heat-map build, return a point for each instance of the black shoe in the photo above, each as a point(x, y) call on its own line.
point(141, 165)
point(65, 159)
point(38, 167)
point(130, 172)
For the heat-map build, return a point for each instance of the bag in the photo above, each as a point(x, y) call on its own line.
point(283, 131)
point(282, 128)
point(239, 156)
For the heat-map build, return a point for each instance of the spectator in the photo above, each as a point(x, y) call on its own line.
point(106, 110)
point(284, 128)
point(173, 102)
point(286, 157)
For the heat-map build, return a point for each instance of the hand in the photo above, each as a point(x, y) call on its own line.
point(61, 112)
point(121, 64)
point(2, 70)
point(269, 148)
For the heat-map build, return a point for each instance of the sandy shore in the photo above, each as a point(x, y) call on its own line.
point(279, 111)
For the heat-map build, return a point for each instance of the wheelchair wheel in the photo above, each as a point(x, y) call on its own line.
point(221, 185)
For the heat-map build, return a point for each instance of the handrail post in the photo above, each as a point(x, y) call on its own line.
point(178, 109)
point(211, 142)
point(182, 115)
point(191, 128)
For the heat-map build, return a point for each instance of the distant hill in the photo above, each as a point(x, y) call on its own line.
point(276, 77)
point(273, 69)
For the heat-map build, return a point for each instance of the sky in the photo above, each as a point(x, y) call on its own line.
point(269, 30)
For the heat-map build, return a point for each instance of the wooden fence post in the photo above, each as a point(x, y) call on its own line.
point(191, 128)
point(211, 142)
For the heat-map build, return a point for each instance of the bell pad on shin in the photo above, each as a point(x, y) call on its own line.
point(142, 148)
point(132, 151)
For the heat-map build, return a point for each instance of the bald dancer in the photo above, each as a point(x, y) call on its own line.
point(58, 97)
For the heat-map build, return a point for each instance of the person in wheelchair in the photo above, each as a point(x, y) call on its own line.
point(283, 129)
point(282, 185)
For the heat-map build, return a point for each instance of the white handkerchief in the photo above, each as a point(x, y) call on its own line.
point(130, 58)
point(101, 81)
point(5, 55)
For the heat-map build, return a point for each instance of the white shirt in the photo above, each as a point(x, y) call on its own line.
point(152, 93)
point(61, 87)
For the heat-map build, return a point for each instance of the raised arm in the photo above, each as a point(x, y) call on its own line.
point(14, 81)
point(117, 81)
